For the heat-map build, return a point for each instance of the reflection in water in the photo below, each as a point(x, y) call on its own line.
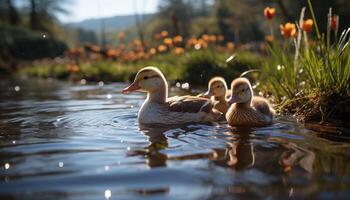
point(158, 141)
point(72, 141)
point(240, 153)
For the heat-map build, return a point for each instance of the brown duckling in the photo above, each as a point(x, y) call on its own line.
point(217, 89)
point(246, 110)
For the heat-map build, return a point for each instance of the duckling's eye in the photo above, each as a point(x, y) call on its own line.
point(145, 78)
point(218, 86)
point(243, 90)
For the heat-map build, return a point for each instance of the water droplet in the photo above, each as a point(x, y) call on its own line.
point(17, 88)
point(109, 96)
point(83, 81)
point(7, 165)
point(60, 164)
point(108, 194)
point(44, 36)
point(106, 168)
point(131, 106)
point(101, 83)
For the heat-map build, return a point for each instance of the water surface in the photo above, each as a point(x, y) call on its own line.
point(82, 141)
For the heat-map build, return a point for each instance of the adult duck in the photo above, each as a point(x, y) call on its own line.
point(246, 109)
point(159, 109)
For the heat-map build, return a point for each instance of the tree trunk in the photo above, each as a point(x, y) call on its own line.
point(12, 14)
point(33, 15)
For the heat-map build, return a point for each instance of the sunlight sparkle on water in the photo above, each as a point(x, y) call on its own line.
point(108, 194)
point(60, 164)
point(101, 83)
point(7, 165)
point(106, 168)
point(109, 96)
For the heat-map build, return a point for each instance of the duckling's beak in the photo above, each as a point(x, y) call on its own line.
point(233, 99)
point(208, 94)
point(133, 87)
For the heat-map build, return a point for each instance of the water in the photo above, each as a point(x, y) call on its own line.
point(71, 141)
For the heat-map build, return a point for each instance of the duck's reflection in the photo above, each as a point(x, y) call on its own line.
point(239, 154)
point(158, 141)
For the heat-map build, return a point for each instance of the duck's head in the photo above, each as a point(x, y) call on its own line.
point(216, 87)
point(147, 79)
point(241, 91)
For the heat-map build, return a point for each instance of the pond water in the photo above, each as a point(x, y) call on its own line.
point(60, 140)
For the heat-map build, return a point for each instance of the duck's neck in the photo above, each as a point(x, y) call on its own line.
point(158, 96)
point(246, 104)
point(220, 98)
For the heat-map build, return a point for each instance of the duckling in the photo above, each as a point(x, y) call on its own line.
point(246, 110)
point(217, 90)
point(159, 109)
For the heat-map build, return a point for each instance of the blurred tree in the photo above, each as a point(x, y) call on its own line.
point(9, 13)
point(43, 13)
point(239, 20)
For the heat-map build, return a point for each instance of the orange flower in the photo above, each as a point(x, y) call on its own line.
point(72, 68)
point(307, 25)
point(168, 41)
point(191, 42)
point(164, 34)
point(335, 22)
point(220, 38)
point(269, 38)
point(179, 50)
point(288, 30)
point(111, 53)
point(162, 48)
point(178, 39)
point(230, 46)
point(206, 38)
point(269, 13)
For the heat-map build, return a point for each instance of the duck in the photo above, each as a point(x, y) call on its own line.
point(246, 109)
point(158, 108)
point(217, 91)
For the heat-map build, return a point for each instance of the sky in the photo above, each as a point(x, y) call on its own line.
point(86, 9)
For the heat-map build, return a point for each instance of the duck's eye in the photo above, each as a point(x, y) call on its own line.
point(145, 78)
point(243, 90)
point(218, 86)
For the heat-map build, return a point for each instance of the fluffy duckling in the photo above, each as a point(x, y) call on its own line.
point(247, 110)
point(217, 88)
point(159, 109)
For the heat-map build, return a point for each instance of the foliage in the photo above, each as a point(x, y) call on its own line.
point(311, 73)
point(25, 44)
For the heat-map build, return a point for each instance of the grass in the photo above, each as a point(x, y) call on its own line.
point(311, 78)
point(195, 67)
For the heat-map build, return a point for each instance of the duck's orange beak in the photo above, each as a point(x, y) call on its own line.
point(133, 87)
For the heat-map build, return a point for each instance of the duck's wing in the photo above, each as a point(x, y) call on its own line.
point(191, 104)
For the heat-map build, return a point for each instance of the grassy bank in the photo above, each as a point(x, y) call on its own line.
point(308, 72)
point(195, 67)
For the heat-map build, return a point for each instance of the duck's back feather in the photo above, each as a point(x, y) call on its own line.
point(190, 104)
